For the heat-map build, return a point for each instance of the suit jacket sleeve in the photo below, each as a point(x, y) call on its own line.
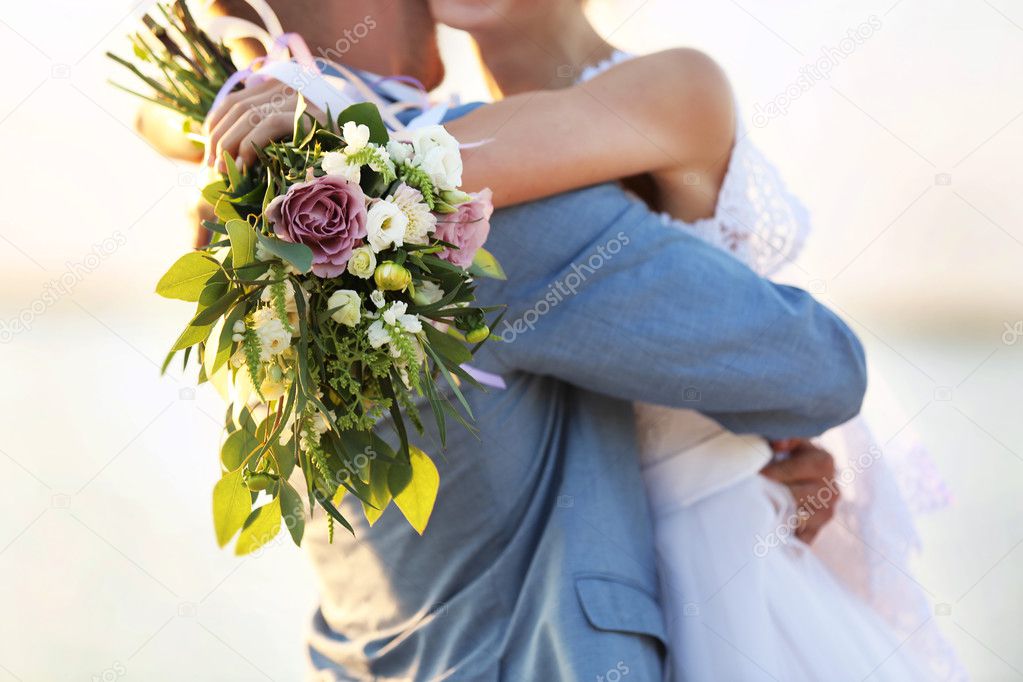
point(603, 294)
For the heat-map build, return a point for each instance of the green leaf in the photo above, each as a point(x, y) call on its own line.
point(225, 344)
point(260, 527)
point(186, 279)
point(243, 243)
point(192, 335)
point(231, 505)
point(448, 347)
point(299, 255)
point(379, 491)
point(300, 109)
point(417, 499)
point(367, 114)
point(211, 192)
point(234, 177)
point(236, 448)
point(294, 513)
point(214, 310)
point(398, 477)
point(485, 265)
point(225, 210)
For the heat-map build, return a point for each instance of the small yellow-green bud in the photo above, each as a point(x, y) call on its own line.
point(478, 334)
point(258, 481)
point(455, 196)
point(390, 276)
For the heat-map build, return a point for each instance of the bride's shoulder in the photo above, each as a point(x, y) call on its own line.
point(680, 95)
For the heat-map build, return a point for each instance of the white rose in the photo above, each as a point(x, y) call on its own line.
point(363, 262)
point(385, 225)
point(378, 334)
point(356, 136)
point(348, 307)
point(378, 298)
point(437, 153)
point(273, 337)
point(336, 163)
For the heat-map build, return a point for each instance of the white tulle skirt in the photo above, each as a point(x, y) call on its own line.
point(745, 600)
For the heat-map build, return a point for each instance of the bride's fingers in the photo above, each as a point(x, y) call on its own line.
point(246, 113)
point(214, 116)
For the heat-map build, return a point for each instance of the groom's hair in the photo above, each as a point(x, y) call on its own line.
point(397, 37)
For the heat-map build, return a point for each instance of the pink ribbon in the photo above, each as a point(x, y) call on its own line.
point(290, 44)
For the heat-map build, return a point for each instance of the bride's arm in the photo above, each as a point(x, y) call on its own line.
point(672, 110)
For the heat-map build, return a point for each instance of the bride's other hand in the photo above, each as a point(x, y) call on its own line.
point(809, 474)
point(249, 119)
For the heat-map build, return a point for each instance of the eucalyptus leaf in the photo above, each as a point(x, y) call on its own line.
point(243, 243)
point(236, 448)
point(215, 309)
point(186, 279)
point(379, 491)
point(231, 505)
point(417, 499)
point(485, 265)
point(260, 527)
point(294, 513)
point(299, 255)
point(367, 114)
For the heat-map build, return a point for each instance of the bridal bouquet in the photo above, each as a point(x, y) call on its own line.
point(338, 290)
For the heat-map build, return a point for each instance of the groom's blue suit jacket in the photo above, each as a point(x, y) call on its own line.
point(538, 563)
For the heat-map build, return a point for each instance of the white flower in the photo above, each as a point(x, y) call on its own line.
point(348, 305)
point(385, 225)
point(421, 222)
point(396, 315)
point(273, 337)
point(378, 334)
point(320, 423)
point(356, 136)
point(400, 152)
point(428, 293)
point(378, 298)
point(336, 163)
point(437, 153)
point(363, 262)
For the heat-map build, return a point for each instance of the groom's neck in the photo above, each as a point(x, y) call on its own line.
point(542, 54)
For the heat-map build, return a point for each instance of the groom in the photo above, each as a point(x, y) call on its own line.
point(538, 563)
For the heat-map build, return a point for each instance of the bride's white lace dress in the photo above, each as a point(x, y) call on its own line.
point(743, 598)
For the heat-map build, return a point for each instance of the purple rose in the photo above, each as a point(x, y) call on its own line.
point(327, 214)
point(467, 229)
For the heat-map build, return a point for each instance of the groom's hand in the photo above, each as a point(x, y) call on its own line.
point(809, 473)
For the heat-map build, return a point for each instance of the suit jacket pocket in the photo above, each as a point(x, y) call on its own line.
point(617, 604)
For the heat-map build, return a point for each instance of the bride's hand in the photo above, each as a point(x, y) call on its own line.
point(809, 474)
point(249, 119)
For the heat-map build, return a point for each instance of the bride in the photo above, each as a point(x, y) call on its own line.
point(744, 596)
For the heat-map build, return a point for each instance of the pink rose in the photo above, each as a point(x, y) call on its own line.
point(467, 229)
point(327, 214)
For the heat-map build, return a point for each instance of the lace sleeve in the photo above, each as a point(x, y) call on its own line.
point(757, 220)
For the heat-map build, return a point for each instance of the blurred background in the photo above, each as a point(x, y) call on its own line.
point(905, 145)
